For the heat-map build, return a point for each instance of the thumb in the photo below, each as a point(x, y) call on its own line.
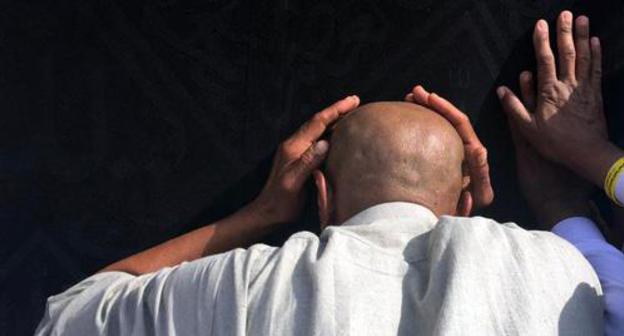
point(309, 161)
point(514, 108)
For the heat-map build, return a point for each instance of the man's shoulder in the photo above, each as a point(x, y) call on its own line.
point(506, 238)
point(480, 225)
point(506, 235)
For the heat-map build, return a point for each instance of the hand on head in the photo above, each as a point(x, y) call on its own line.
point(282, 197)
point(476, 162)
point(383, 152)
point(391, 151)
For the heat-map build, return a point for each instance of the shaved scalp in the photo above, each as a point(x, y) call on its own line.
point(394, 151)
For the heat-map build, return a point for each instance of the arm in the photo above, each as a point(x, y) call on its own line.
point(240, 229)
point(279, 202)
point(206, 294)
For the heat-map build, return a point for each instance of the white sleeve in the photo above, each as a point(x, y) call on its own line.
point(607, 261)
point(203, 297)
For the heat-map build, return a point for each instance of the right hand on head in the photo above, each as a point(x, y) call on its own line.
point(480, 190)
point(563, 119)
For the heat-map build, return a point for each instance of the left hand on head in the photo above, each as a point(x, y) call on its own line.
point(282, 197)
point(481, 192)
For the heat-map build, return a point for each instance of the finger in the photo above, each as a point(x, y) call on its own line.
point(543, 54)
point(527, 89)
point(456, 117)
point(323, 215)
point(315, 127)
point(596, 63)
point(514, 108)
point(481, 185)
point(583, 52)
point(565, 46)
point(308, 162)
point(410, 98)
point(466, 205)
point(421, 96)
point(476, 154)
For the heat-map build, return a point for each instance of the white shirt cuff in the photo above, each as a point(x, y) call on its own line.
point(577, 229)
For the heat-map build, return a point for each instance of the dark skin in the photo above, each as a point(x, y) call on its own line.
point(559, 123)
point(562, 116)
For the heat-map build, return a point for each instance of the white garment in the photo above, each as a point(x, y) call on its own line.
point(391, 269)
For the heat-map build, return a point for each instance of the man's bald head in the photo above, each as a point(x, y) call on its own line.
point(394, 151)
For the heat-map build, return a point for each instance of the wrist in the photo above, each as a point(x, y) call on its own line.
point(263, 213)
point(594, 161)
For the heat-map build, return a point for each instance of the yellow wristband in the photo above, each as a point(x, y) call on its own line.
point(612, 176)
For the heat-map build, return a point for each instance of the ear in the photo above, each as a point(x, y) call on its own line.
point(464, 205)
point(323, 198)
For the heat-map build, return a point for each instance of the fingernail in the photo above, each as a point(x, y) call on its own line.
point(500, 92)
point(567, 16)
point(542, 25)
point(595, 41)
point(582, 20)
point(321, 147)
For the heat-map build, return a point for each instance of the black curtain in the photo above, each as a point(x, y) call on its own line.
point(125, 123)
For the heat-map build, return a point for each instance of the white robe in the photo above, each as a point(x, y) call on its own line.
point(391, 269)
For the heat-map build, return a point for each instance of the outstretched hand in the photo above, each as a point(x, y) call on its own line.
point(282, 197)
point(480, 187)
point(563, 116)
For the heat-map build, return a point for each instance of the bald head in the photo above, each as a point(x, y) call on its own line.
point(394, 151)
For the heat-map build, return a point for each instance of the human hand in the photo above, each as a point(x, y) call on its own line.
point(553, 192)
point(480, 187)
point(282, 197)
point(564, 121)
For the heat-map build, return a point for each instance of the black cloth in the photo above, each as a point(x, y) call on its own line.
point(125, 123)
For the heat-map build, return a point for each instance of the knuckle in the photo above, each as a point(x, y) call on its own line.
point(566, 29)
point(545, 60)
point(584, 58)
point(568, 54)
point(285, 148)
point(317, 117)
point(307, 158)
point(462, 118)
point(484, 155)
point(320, 118)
